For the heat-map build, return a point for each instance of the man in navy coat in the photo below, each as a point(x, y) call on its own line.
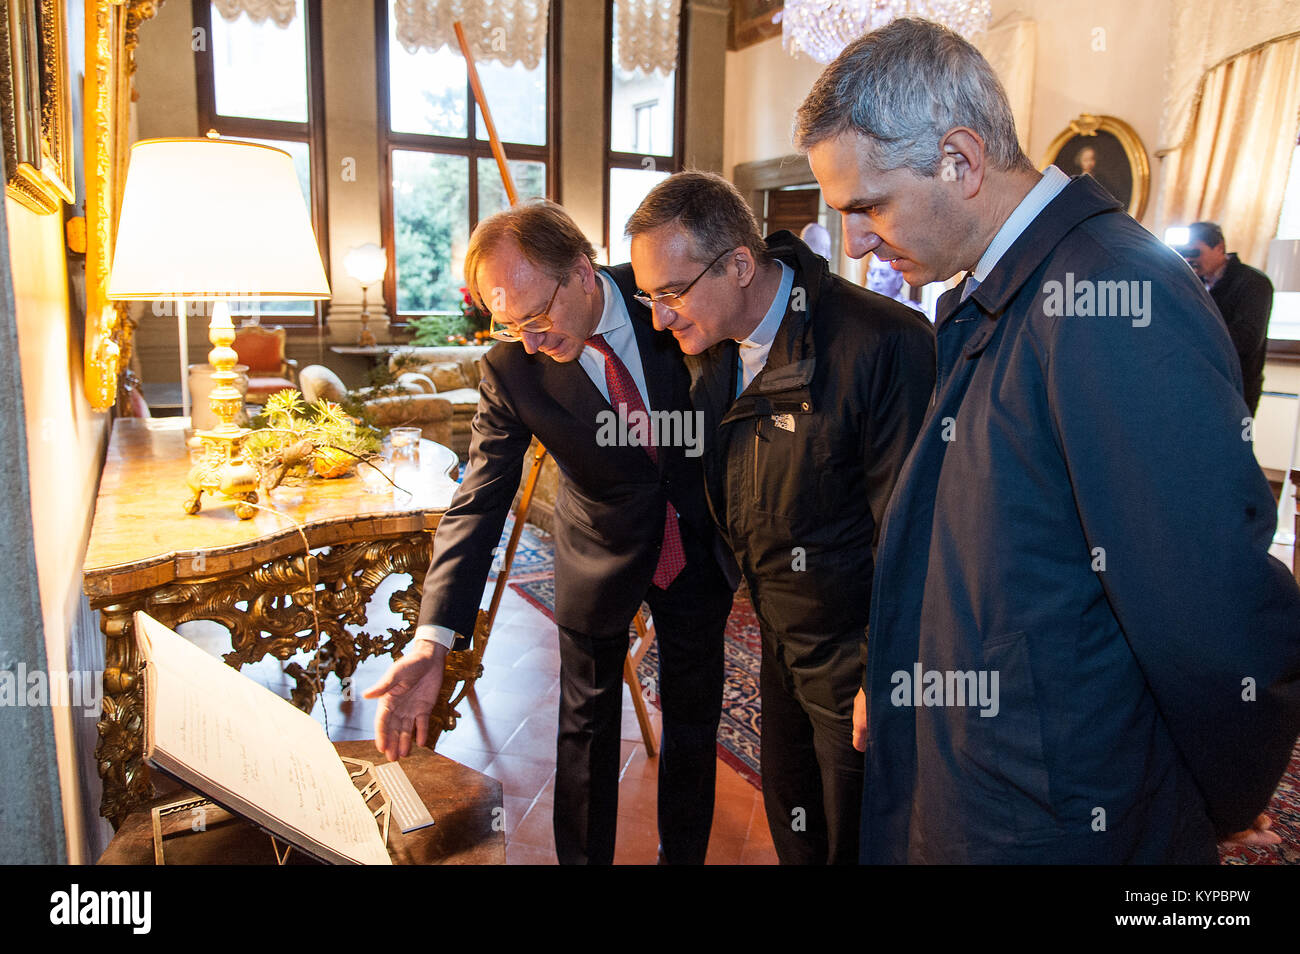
point(1079, 649)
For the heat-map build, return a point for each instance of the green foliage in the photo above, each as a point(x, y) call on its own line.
point(289, 434)
point(436, 329)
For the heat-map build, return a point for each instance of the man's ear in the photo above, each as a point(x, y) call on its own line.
point(743, 264)
point(962, 160)
point(586, 273)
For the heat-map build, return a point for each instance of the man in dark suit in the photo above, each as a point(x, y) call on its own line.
point(1244, 296)
point(600, 388)
point(1074, 655)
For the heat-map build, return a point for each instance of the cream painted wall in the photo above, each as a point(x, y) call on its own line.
point(765, 85)
point(65, 440)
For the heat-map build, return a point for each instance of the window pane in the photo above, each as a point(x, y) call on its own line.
point(641, 109)
point(530, 182)
point(259, 70)
point(517, 98)
point(627, 187)
point(427, 91)
point(1284, 323)
point(430, 229)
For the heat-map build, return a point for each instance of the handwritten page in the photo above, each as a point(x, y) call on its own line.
point(250, 750)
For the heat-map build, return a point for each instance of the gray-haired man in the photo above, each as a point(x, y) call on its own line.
point(1075, 656)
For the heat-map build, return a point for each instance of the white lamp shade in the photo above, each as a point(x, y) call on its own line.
point(366, 263)
point(204, 219)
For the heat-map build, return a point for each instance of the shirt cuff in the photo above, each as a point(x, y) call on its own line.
point(436, 634)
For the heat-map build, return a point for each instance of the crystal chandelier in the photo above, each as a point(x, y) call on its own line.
point(822, 28)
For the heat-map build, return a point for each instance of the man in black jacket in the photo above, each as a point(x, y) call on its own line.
point(1244, 296)
point(631, 525)
point(812, 390)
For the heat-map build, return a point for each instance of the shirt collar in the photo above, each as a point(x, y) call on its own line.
point(762, 336)
point(614, 315)
point(1047, 189)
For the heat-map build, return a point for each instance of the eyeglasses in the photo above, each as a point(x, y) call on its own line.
point(673, 300)
point(536, 325)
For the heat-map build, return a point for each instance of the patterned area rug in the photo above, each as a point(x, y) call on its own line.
point(1284, 810)
point(532, 576)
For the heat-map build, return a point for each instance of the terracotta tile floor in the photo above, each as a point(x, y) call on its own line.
point(507, 730)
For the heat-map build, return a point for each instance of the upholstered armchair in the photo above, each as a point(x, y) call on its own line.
point(415, 406)
point(454, 371)
point(269, 371)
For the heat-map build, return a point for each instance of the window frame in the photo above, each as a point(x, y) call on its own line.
point(634, 160)
point(470, 146)
point(1284, 349)
point(312, 132)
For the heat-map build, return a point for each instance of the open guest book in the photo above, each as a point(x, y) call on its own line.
point(250, 751)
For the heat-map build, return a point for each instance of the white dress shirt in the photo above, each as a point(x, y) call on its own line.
point(755, 349)
point(1039, 197)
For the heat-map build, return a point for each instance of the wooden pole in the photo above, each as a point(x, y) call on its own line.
point(481, 99)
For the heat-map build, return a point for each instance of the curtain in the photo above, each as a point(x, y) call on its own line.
point(647, 34)
point(279, 12)
point(1010, 46)
point(1232, 166)
point(503, 31)
point(1204, 35)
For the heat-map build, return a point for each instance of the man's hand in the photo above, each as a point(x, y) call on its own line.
point(1257, 835)
point(406, 696)
point(860, 721)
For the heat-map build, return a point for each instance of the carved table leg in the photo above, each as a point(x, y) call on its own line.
point(119, 751)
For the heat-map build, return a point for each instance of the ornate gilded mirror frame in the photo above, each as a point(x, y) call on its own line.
point(34, 104)
point(112, 28)
point(1088, 126)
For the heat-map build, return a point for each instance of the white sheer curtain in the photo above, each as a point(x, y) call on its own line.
point(647, 34)
point(503, 31)
point(279, 12)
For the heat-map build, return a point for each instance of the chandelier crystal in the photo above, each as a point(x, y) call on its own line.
point(822, 28)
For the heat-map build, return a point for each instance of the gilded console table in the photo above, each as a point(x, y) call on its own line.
point(273, 581)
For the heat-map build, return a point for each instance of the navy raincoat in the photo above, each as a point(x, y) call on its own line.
point(1080, 650)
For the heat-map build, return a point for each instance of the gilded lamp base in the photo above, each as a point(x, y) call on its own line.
point(222, 471)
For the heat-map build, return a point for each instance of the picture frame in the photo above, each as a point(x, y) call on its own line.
point(112, 36)
point(35, 107)
point(1110, 151)
point(753, 21)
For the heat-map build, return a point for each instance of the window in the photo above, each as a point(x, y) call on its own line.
point(262, 83)
point(440, 177)
point(644, 142)
point(1284, 323)
point(643, 139)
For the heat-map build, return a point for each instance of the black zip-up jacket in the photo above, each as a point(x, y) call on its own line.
point(799, 468)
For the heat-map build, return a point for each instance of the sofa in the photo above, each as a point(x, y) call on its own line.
point(454, 372)
point(417, 404)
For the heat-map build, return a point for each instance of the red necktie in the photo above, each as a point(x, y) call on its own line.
point(624, 396)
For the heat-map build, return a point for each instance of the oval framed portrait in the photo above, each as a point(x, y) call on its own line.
point(1110, 151)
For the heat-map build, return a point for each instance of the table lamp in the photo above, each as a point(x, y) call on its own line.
point(213, 220)
point(367, 264)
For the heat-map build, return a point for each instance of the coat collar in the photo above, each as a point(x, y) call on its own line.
point(1080, 200)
